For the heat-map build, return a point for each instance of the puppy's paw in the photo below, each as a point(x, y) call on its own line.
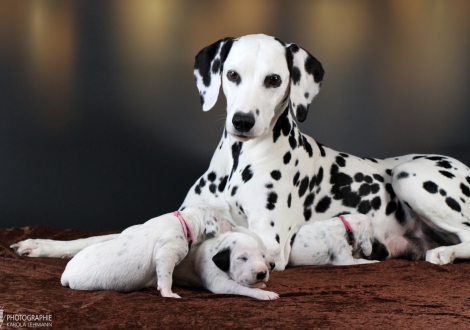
point(267, 295)
point(443, 255)
point(30, 248)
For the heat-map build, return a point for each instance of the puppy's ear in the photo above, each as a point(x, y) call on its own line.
point(306, 76)
point(222, 259)
point(207, 68)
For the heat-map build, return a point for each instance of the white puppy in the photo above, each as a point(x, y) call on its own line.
point(333, 241)
point(233, 263)
point(143, 255)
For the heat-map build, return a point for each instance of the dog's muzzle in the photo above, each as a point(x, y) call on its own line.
point(243, 122)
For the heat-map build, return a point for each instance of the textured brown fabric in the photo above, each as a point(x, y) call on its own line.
point(393, 294)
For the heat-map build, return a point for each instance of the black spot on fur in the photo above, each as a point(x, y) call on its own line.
point(417, 157)
point(368, 179)
point(342, 154)
point(292, 142)
point(444, 164)
point(197, 190)
point(289, 200)
point(319, 176)
point(272, 223)
point(301, 112)
point(443, 192)
point(269, 185)
point(307, 147)
point(223, 183)
point(375, 188)
point(306, 95)
point(307, 214)
point(430, 187)
point(272, 200)
point(216, 66)
point(287, 157)
point(236, 148)
point(359, 177)
point(295, 75)
point(376, 203)
point(314, 67)
point(323, 205)
point(378, 177)
point(340, 161)
point(436, 158)
point(292, 240)
point(466, 223)
point(400, 214)
point(303, 186)
point(391, 207)
point(364, 189)
point(447, 174)
point(402, 175)
point(212, 188)
point(278, 239)
point(389, 172)
point(202, 182)
point(309, 200)
point(465, 189)
point(276, 175)
point(364, 207)
point(453, 204)
point(212, 176)
point(389, 189)
point(234, 190)
point(247, 174)
point(322, 150)
point(373, 160)
point(296, 178)
point(468, 179)
point(282, 125)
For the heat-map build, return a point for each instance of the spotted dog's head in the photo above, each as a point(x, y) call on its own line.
point(259, 75)
point(244, 258)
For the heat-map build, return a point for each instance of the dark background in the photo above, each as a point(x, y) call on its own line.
point(100, 120)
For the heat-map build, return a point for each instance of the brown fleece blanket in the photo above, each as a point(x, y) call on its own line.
point(394, 294)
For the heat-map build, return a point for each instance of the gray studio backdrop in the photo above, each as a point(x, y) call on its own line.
point(100, 120)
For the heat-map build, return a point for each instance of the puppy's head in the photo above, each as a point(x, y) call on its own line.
point(244, 259)
point(259, 75)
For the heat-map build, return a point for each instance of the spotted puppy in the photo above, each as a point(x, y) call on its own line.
point(143, 255)
point(234, 263)
point(335, 241)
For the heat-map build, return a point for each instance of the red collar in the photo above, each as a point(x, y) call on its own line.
point(349, 230)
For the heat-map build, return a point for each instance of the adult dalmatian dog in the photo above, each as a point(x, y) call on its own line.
point(268, 176)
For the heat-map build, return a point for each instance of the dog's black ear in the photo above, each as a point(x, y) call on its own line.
point(222, 259)
point(207, 69)
point(306, 74)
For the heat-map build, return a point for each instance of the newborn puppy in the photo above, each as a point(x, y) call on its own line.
point(143, 255)
point(234, 263)
point(333, 241)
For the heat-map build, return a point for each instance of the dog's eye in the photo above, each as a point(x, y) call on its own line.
point(243, 259)
point(233, 76)
point(273, 81)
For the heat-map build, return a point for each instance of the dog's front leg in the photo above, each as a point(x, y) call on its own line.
point(165, 262)
point(229, 286)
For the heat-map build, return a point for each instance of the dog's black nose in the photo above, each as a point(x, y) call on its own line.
point(272, 265)
point(243, 122)
point(261, 275)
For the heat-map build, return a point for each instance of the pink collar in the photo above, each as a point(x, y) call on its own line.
point(186, 228)
point(349, 230)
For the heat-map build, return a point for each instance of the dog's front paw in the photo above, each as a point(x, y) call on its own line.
point(441, 256)
point(267, 295)
point(29, 248)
